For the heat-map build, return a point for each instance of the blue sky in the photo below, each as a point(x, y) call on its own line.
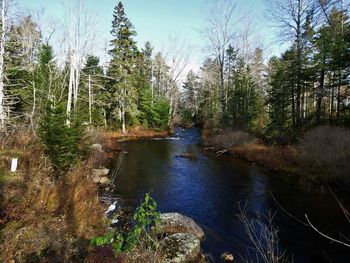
point(157, 20)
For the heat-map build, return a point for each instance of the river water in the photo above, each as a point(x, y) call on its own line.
point(210, 189)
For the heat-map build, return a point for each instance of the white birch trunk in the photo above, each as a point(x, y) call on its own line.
point(152, 83)
point(76, 84)
point(123, 120)
point(123, 111)
point(34, 106)
point(170, 110)
point(2, 53)
point(70, 92)
point(90, 100)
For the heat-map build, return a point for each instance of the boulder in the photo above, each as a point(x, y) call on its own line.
point(96, 179)
point(96, 147)
point(112, 208)
point(227, 257)
point(181, 248)
point(104, 181)
point(171, 223)
point(100, 172)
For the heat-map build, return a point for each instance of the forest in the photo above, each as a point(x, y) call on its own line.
point(67, 114)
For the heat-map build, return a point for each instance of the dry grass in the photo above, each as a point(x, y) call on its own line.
point(43, 218)
point(231, 138)
point(135, 133)
point(325, 151)
point(272, 157)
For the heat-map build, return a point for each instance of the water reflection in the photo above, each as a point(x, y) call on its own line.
point(209, 189)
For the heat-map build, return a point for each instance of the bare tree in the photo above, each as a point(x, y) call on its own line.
point(291, 16)
point(178, 57)
point(81, 34)
point(219, 34)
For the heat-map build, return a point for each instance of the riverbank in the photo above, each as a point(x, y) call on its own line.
point(321, 154)
point(44, 218)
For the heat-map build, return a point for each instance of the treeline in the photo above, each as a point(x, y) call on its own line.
point(306, 86)
point(135, 88)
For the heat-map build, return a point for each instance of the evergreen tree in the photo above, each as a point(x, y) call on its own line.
point(122, 90)
point(191, 94)
point(61, 141)
point(279, 99)
point(93, 97)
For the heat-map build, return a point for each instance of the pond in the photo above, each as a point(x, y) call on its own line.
point(210, 189)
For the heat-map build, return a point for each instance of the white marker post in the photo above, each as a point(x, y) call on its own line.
point(14, 164)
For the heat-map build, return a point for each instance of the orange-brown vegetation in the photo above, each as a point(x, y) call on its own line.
point(322, 152)
point(41, 217)
point(134, 133)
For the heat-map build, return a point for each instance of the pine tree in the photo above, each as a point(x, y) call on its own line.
point(279, 99)
point(191, 94)
point(61, 141)
point(122, 90)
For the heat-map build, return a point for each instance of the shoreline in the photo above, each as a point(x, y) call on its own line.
point(278, 159)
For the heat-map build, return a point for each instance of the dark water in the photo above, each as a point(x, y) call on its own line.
point(209, 189)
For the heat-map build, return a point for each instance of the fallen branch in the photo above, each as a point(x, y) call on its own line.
point(218, 153)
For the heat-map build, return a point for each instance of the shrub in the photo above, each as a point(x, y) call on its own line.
point(231, 138)
point(143, 219)
point(325, 150)
point(61, 141)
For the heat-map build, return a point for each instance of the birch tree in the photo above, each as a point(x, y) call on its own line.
point(80, 31)
point(219, 34)
point(4, 6)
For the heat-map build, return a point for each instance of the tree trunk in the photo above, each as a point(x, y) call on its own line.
point(90, 100)
point(34, 107)
point(2, 52)
point(338, 95)
point(320, 95)
point(123, 121)
point(70, 92)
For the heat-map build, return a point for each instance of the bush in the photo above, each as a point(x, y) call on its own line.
point(144, 218)
point(60, 140)
point(325, 150)
point(231, 138)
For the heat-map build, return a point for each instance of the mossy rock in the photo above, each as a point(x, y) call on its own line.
point(181, 248)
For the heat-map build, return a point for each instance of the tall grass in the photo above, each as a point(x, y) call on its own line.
point(231, 138)
point(325, 151)
point(45, 219)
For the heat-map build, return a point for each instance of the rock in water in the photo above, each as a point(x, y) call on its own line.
point(227, 257)
point(187, 155)
point(104, 181)
point(100, 172)
point(171, 223)
point(96, 179)
point(112, 208)
point(181, 248)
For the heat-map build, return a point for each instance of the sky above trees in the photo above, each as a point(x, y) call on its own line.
point(160, 21)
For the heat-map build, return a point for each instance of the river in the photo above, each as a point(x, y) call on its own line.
point(209, 189)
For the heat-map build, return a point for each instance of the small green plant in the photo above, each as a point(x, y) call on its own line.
point(144, 218)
